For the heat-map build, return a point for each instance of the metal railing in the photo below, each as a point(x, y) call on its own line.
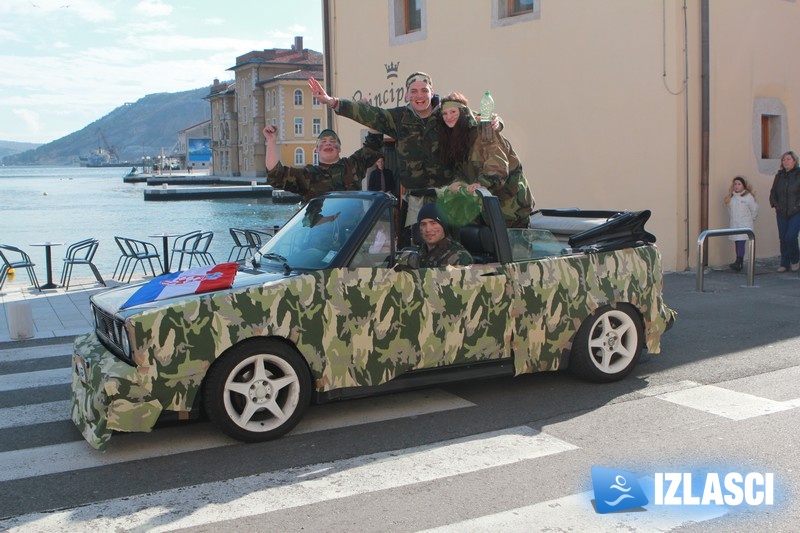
point(751, 251)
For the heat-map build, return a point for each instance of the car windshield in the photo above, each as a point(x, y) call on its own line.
point(315, 235)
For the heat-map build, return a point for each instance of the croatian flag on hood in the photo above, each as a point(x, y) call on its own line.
point(193, 281)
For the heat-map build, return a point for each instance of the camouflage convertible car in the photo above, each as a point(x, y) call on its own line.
point(323, 311)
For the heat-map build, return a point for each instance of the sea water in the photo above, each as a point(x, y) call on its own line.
point(69, 204)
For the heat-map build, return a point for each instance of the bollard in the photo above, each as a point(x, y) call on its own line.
point(20, 320)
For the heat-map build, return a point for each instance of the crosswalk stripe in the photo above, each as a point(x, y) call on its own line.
point(264, 493)
point(724, 402)
point(576, 513)
point(66, 457)
point(39, 413)
point(30, 380)
point(34, 352)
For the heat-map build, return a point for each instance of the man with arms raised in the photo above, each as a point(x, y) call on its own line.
point(333, 173)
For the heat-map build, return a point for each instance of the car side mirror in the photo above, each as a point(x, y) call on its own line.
point(408, 259)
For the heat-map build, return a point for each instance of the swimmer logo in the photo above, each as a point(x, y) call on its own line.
point(616, 490)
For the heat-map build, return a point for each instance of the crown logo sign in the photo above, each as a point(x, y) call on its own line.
point(391, 69)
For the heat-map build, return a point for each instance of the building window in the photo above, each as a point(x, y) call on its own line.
point(316, 126)
point(315, 102)
point(412, 15)
point(770, 133)
point(770, 137)
point(298, 127)
point(506, 12)
point(407, 21)
point(519, 7)
point(298, 98)
point(316, 158)
point(299, 157)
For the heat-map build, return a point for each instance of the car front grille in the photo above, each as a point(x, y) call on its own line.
point(110, 332)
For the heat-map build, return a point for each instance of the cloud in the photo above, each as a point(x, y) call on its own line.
point(153, 8)
point(9, 36)
point(30, 119)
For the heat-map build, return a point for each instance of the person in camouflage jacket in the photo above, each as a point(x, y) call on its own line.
point(482, 157)
point(438, 250)
point(413, 126)
point(333, 173)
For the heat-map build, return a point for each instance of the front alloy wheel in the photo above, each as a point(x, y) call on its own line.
point(607, 345)
point(258, 391)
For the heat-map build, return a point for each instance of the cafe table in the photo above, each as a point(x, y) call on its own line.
point(165, 242)
point(48, 256)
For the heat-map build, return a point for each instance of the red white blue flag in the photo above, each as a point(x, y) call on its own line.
point(192, 281)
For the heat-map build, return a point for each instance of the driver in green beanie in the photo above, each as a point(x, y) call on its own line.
point(438, 249)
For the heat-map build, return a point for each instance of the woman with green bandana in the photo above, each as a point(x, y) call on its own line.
point(483, 159)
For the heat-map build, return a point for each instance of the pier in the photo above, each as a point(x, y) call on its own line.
point(165, 193)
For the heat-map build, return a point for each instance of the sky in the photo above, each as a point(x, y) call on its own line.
point(66, 63)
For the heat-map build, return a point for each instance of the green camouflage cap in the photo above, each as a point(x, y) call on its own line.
point(329, 133)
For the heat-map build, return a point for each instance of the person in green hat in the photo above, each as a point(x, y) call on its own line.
point(438, 249)
point(332, 173)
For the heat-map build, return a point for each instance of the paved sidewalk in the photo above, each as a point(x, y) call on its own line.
point(64, 314)
point(56, 313)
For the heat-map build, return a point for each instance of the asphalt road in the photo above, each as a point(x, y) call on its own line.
point(501, 455)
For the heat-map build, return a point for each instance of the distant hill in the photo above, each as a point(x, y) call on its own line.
point(11, 147)
point(131, 130)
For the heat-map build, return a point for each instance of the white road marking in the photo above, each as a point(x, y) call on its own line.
point(576, 513)
point(30, 380)
point(67, 457)
point(39, 413)
point(35, 352)
point(268, 492)
point(725, 402)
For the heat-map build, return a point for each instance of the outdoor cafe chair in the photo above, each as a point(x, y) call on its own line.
point(12, 262)
point(256, 238)
point(133, 252)
point(240, 246)
point(197, 246)
point(179, 245)
point(124, 260)
point(80, 253)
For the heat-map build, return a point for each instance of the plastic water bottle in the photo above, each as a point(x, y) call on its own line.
point(487, 107)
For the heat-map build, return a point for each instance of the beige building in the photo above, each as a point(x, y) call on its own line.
point(269, 87)
point(622, 104)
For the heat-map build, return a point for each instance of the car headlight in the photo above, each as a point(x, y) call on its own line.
point(125, 343)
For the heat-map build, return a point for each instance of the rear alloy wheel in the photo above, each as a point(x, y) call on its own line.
point(607, 345)
point(258, 392)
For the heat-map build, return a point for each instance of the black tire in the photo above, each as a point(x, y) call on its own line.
point(608, 345)
point(258, 391)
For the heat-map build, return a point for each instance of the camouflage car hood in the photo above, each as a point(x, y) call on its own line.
point(111, 300)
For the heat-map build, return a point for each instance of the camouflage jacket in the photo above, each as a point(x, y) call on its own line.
point(418, 163)
point(446, 252)
point(344, 175)
point(495, 165)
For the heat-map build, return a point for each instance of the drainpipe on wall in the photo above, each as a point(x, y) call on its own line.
point(704, 120)
point(326, 56)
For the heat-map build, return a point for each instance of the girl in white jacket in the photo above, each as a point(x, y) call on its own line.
point(743, 210)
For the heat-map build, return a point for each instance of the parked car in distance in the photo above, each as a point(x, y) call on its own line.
point(324, 311)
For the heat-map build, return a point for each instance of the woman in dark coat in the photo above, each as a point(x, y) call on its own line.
point(785, 198)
